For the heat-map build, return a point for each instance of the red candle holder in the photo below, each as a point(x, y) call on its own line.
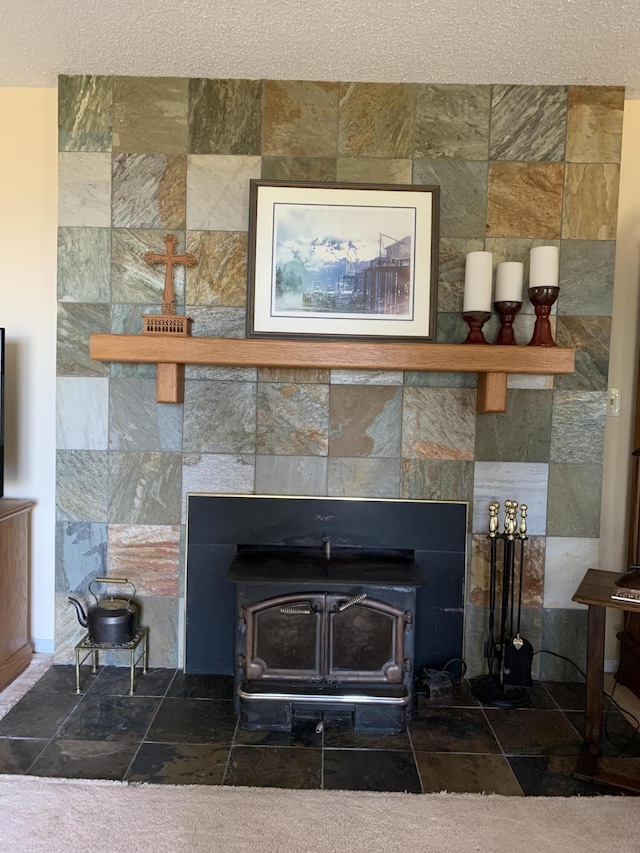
point(475, 320)
point(543, 299)
point(507, 311)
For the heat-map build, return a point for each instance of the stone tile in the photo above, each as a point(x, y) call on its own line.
point(137, 421)
point(220, 276)
point(590, 336)
point(193, 721)
point(465, 774)
point(144, 488)
point(274, 767)
point(366, 377)
point(149, 190)
point(62, 679)
point(31, 717)
point(79, 759)
point(574, 500)
point(150, 115)
point(451, 328)
point(463, 194)
point(370, 770)
point(452, 121)
point(300, 118)
point(365, 420)
point(452, 730)
point(363, 478)
point(81, 553)
point(530, 381)
point(219, 473)
point(161, 615)
point(521, 434)
point(84, 189)
point(590, 201)
point(568, 696)
point(528, 123)
point(342, 735)
point(218, 191)
point(376, 120)
point(577, 432)
point(293, 419)
point(376, 170)
point(436, 480)
point(552, 776)
point(531, 732)
point(476, 633)
point(225, 116)
point(126, 319)
point(567, 559)
point(82, 413)
point(81, 485)
point(220, 417)
point(179, 764)
point(84, 112)
point(133, 279)
point(110, 718)
point(533, 576)
point(294, 374)
point(438, 423)
point(564, 631)
point(525, 200)
point(291, 475)
point(116, 681)
point(319, 169)
point(594, 126)
point(201, 686)
point(84, 265)
point(219, 322)
point(525, 482)
point(76, 322)
point(68, 631)
point(18, 754)
point(586, 277)
point(212, 373)
point(146, 554)
point(451, 271)
point(438, 379)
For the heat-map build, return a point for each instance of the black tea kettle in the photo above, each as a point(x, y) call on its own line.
point(111, 621)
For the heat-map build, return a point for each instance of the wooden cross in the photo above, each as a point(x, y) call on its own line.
point(169, 258)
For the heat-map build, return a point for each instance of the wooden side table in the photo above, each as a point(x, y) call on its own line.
point(15, 649)
point(595, 591)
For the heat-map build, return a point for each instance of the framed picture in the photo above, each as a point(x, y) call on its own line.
point(332, 261)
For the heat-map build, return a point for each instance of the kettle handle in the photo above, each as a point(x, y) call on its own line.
point(111, 580)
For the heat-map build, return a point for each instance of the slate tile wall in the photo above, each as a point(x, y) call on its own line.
point(518, 166)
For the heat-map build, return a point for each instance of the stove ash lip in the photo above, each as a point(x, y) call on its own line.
point(337, 565)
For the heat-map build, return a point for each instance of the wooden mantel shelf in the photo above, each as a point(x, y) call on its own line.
point(491, 363)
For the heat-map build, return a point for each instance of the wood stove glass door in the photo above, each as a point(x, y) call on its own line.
point(284, 635)
point(366, 641)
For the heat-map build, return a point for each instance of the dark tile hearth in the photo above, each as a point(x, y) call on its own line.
point(182, 730)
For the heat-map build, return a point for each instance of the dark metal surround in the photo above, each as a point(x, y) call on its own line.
point(435, 533)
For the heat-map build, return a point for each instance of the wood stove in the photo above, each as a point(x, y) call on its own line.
point(323, 607)
point(324, 633)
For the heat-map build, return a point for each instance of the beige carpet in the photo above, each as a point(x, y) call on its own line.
point(62, 816)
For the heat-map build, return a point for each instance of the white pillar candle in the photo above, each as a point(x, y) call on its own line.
point(478, 279)
point(544, 266)
point(509, 277)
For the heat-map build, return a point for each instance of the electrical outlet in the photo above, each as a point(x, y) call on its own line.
point(613, 401)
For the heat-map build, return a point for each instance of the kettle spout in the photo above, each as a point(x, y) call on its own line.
point(82, 616)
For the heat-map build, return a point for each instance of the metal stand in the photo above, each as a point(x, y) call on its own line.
point(93, 649)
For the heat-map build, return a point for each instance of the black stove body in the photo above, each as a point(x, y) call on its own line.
point(324, 633)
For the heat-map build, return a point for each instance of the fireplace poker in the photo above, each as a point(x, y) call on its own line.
point(493, 533)
point(519, 652)
point(507, 571)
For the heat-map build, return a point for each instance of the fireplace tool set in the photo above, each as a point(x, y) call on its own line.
point(509, 655)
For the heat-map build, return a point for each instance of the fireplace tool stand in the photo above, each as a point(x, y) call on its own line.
point(508, 656)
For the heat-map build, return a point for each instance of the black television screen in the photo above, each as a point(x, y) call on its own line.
point(1, 413)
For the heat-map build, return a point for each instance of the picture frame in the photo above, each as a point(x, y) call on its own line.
point(342, 261)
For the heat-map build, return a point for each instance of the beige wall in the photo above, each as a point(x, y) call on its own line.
point(28, 218)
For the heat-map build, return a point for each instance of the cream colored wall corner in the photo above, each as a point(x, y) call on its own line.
point(623, 360)
point(28, 222)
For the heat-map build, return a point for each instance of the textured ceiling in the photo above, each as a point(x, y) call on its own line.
point(590, 42)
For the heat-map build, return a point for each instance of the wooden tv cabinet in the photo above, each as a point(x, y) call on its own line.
point(15, 649)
